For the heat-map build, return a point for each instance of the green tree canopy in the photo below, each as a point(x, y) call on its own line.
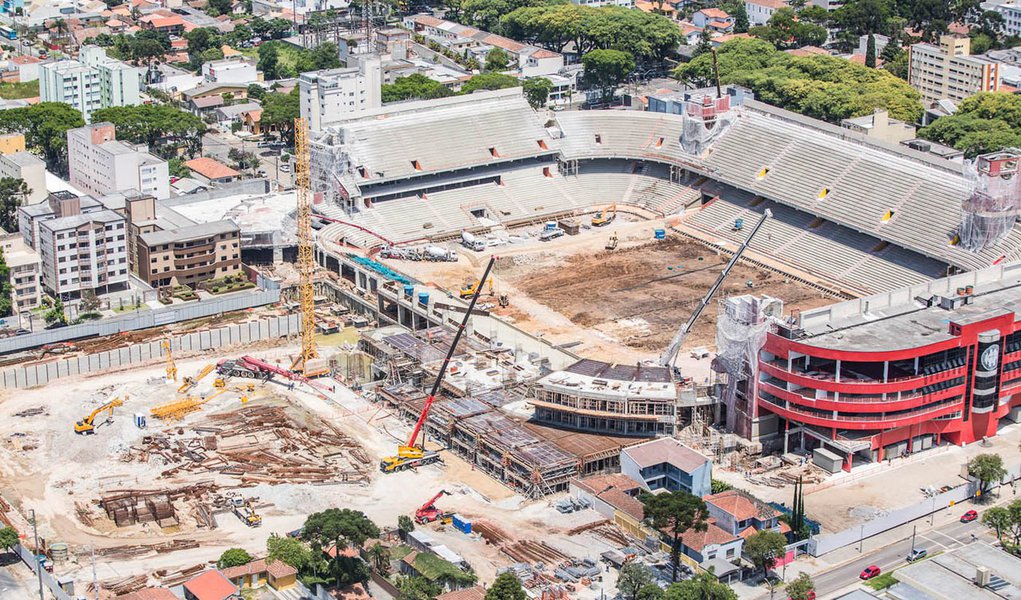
point(674, 514)
point(497, 60)
point(763, 548)
point(8, 537)
point(506, 587)
point(288, 550)
point(417, 588)
point(537, 90)
point(163, 128)
point(985, 122)
point(489, 81)
point(269, 61)
point(606, 69)
point(45, 127)
point(13, 193)
point(633, 577)
point(234, 557)
point(988, 469)
point(414, 86)
point(339, 525)
point(786, 30)
point(703, 586)
point(801, 588)
point(823, 87)
point(280, 111)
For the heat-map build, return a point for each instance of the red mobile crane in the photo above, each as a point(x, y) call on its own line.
point(253, 368)
point(427, 513)
point(410, 454)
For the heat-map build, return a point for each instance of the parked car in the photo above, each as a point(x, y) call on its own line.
point(917, 554)
point(969, 516)
point(869, 572)
point(285, 168)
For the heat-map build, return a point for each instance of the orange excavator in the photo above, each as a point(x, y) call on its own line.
point(427, 513)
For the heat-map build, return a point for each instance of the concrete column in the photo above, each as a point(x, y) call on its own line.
point(886, 371)
point(836, 375)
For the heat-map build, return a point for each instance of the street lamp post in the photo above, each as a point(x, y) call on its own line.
point(35, 554)
point(861, 537)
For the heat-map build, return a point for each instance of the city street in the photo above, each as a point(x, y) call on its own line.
point(218, 145)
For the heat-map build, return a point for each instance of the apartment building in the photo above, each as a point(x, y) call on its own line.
point(189, 255)
point(236, 69)
point(336, 94)
point(92, 82)
point(1011, 12)
point(101, 165)
point(25, 269)
point(761, 11)
point(947, 71)
point(31, 169)
point(82, 244)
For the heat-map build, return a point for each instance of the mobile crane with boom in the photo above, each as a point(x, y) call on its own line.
point(427, 513)
point(412, 455)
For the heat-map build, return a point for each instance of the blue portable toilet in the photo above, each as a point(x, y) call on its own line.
point(461, 524)
point(660, 234)
point(423, 298)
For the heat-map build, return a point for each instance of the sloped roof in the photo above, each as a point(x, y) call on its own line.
point(666, 450)
point(713, 535)
point(210, 168)
point(741, 505)
point(211, 585)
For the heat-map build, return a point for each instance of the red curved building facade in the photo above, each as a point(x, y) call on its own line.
point(878, 377)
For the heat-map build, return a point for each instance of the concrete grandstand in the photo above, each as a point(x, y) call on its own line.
point(864, 216)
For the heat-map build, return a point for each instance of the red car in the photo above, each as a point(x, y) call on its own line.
point(969, 516)
point(869, 572)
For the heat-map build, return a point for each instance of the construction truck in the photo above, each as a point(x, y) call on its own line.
point(471, 242)
point(550, 231)
point(190, 382)
point(605, 216)
point(249, 367)
point(412, 454)
point(427, 513)
point(88, 425)
point(469, 288)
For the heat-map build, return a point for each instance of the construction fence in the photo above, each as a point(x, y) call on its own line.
point(144, 319)
point(48, 580)
point(199, 341)
point(822, 544)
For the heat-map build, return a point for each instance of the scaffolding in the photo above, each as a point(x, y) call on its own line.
point(705, 119)
point(989, 211)
point(332, 174)
point(740, 334)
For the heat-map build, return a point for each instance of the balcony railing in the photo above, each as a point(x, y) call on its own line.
point(849, 421)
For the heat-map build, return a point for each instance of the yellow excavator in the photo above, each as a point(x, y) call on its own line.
point(605, 216)
point(87, 426)
point(469, 288)
point(191, 382)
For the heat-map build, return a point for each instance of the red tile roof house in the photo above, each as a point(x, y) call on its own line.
point(741, 514)
point(211, 585)
point(150, 593)
point(258, 573)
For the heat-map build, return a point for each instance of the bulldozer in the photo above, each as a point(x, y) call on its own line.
point(88, 425)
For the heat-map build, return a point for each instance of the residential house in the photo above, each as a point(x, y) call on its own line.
point(150, 593)
point(740, 513)
point(251, 122)
point(715, 19)
point(715, 547)
point(761, 11)
point(211, 585)
point(602, 3)
point(240, 92)
point(880, 126)
point(472, 593)
point(237, 69)
point(211, 171)
point(258, 573)
point(204, 105)
point(171, 24)
point(27, 67)
point(667, 464)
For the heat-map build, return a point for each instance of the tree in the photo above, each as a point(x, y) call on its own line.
point(802, 588)
point(823, 87)
point(243, 160)
point(988, 469)
point(786, 30)
point(740, 18)
point(280, 111)
point(269, 61)
point(497, 60)
point(632, 578)
point(8, 538)
point(537, 91)
point(165, 129)
point(998, 519)
point(405, 525)
point(256, 91)
point(380, 559)
point(6, 289)
point(45, 127)
point(234, 557)
point(675, 513)
point(219, 7)
point(288, 550)
point(606, 69)
point(56, 314)
point(489, 81)
point(339, 528)
point(414, 86)
point(870, 52)
point(705, 42)
point(506, 587)
point(763, 548)
point(13, 193)
point(703, 586)
point(418, 588)
point(650, 592)
point(718, 486)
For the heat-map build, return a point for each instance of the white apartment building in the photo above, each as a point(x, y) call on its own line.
point(82, 245)
point(101, 165)
point(30, 168)
point(25, 272)
point(236, 69)
point(947, 70)
point(333, 95)
point(761, 11)
point(94, 81)
point(1011, 11)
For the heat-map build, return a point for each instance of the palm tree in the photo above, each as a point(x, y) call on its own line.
point(380, 558)
point(60, 25)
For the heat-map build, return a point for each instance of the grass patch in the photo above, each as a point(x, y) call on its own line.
point(434, 568)
point(16, 91)
point(287, 55)
point(881, 582)
point(348, 335)
point(400, 551)
point(128, 307)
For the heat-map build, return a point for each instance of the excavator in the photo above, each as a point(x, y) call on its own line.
point(468, 290)
point(411, 454)
point(88, 425)
point(190, 382)
point(605, 216)
point(427, 513)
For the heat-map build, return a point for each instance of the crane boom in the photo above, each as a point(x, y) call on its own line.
point(450, 353)
point(306, 260)
point(670, 354)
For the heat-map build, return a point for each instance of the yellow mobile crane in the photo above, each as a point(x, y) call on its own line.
point(191, 382)
point(88, 425)
point(411, 454)
point(171, 366)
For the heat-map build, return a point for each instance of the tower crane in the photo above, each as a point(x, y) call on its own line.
point(171, 366)
point(306, 261)
point(411, 454)
point(670, 354)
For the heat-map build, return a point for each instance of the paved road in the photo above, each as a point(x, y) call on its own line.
point(12, 587)
point(218, 145)
point(940, 539)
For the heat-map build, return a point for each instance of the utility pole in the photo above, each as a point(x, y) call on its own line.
point(914, 530)
point(861, 538)
point(95, 584)
point(35, 554)
point(716, 74)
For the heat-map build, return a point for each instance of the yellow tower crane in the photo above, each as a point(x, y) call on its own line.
point(171, 365)
point(304, 362)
